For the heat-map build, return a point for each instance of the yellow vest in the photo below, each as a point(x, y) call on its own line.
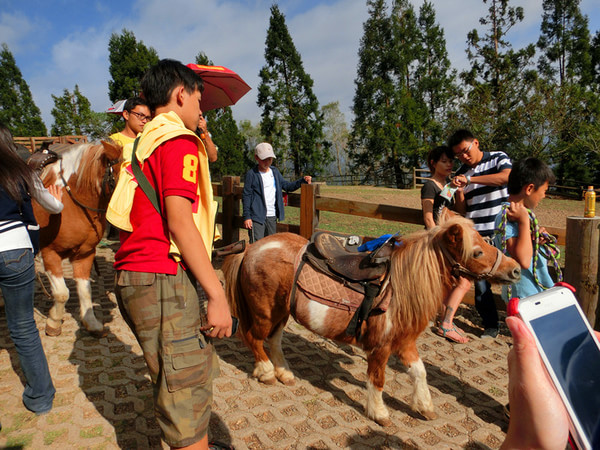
point(161, 129)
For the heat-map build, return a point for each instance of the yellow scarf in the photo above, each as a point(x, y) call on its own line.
point(161, 129)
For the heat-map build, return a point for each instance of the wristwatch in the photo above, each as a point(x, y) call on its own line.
point(468, 177)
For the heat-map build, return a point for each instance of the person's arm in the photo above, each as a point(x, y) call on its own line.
point(191, 245)
point(48, 198)
point(247, 200)
point(202, 132)
point(427, 206)
point(492, 179)
point(520, 247)
point(538, 418)
point(460, 205)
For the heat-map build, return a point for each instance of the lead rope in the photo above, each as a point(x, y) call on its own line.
point(549, 249)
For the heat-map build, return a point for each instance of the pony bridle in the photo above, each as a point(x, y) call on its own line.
point(458, 269)
point(108, 184)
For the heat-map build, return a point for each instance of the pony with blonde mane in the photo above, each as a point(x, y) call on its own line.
point(87, 174)
point(423, 269)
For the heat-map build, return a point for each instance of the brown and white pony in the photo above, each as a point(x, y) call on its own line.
point(87, 172)
point(259, 284)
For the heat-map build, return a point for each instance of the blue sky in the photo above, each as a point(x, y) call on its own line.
point(60, 43)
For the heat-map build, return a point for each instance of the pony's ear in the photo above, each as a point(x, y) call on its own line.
point(445, 215)
point(112, 150)
point(454, 235)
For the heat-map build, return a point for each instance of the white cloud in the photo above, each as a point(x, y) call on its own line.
point(14, 31)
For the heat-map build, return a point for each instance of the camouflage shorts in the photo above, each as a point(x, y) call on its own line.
point(164, 313)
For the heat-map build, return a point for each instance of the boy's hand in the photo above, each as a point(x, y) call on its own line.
point(308, 179)
point(218, 318)
point(518, 213)
point(248, 224)
point(460, 181)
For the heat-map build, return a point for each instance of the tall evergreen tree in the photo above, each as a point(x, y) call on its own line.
point(565, 42)
point(498, 78)
point(336, 132)
point(291, 118)
point(18, 111)
point(435, 76)
point(226, 136)
point(129, 60)
point(73, 116)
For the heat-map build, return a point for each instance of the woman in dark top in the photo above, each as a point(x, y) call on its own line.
point(434, 198)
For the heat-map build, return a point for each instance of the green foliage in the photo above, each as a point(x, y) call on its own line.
point(73, 116)
point(336, 132)
point(565, 42)
point(18, 111)
point(129, 60)
point(291, 119)
point(226, 136)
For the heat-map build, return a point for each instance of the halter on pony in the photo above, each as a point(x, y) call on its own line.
point(549, 249)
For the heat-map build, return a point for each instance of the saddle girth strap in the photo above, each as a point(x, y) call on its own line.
point(355, 325)
point(298, 264)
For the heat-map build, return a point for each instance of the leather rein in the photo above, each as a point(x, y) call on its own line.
point(458, 269)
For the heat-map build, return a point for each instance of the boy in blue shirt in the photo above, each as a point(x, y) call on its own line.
point(517, 231)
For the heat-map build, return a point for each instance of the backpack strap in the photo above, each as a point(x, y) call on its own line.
point(143, 182)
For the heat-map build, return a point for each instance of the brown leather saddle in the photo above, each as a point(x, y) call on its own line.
point(362, 272)
point(231, 249)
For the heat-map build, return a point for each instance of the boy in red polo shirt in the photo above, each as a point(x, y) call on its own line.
point(163, 254)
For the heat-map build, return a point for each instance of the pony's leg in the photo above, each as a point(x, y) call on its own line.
point(375, 408)
point(282, 370)
point(82, 269)
point(263, 367)
point(60, 292)
point(421, 398)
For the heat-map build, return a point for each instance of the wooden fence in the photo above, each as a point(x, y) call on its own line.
point(33, 143)
point(583, 272)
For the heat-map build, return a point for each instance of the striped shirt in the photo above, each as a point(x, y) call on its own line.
point(484, 202)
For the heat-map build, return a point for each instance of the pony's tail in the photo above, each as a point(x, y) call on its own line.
point(235, 296)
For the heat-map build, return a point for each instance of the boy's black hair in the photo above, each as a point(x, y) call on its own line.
point(459, 136)
point(528, 171)
point(160, 80)
point(132, 102)
point(436, 153)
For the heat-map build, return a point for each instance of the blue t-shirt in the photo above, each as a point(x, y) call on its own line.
point(526, 285)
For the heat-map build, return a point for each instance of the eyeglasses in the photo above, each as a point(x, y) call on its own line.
point(141, 116)
point(465, 151)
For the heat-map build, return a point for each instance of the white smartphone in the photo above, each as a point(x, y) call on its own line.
point(571, 354)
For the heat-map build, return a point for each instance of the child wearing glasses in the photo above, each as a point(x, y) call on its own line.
point(136, 114)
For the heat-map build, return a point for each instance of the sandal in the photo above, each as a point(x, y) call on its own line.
point(460, 338)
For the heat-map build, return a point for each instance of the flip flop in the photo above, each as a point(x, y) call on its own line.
point(443, 332)
point(216, 445)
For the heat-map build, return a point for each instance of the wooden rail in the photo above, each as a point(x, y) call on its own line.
point(33, 143)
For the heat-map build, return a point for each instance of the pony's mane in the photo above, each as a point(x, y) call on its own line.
point(420, 276)
point(82, 160)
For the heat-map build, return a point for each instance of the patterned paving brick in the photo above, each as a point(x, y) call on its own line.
point(104, 396)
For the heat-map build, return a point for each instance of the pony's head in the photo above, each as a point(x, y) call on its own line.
point(469, 255)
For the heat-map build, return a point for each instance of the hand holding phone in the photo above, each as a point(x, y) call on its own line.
point(570, 352)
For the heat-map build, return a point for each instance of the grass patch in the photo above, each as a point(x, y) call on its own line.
point(20, 421)
point(92, 432)
point(22, 441)
point(51, 436)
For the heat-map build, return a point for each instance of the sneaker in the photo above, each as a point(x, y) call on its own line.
point(491, 333)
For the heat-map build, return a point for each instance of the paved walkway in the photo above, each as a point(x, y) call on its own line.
point(104, 398)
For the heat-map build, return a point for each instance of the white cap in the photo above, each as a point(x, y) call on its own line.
point(264, 150)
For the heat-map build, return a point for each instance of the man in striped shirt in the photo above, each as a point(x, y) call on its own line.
point(483, 177)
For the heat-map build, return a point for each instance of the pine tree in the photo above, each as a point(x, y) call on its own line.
point(129, 60)
point(565, 42)
point(435, 76)
point(498, 79)
point(73, 116)
point(18, 111)
point(226, 136)
point(291, 119)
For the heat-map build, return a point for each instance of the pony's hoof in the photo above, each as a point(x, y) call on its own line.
point(51, 331)
point(99, 333)
point(429, 415)
point(384, 422)
point(289, 381)
point(268, 381)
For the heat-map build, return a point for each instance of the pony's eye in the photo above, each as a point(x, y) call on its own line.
point(477, 253)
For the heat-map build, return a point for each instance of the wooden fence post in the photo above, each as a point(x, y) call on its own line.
point(309, 216)
point(581, 264)
point(231, 208)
